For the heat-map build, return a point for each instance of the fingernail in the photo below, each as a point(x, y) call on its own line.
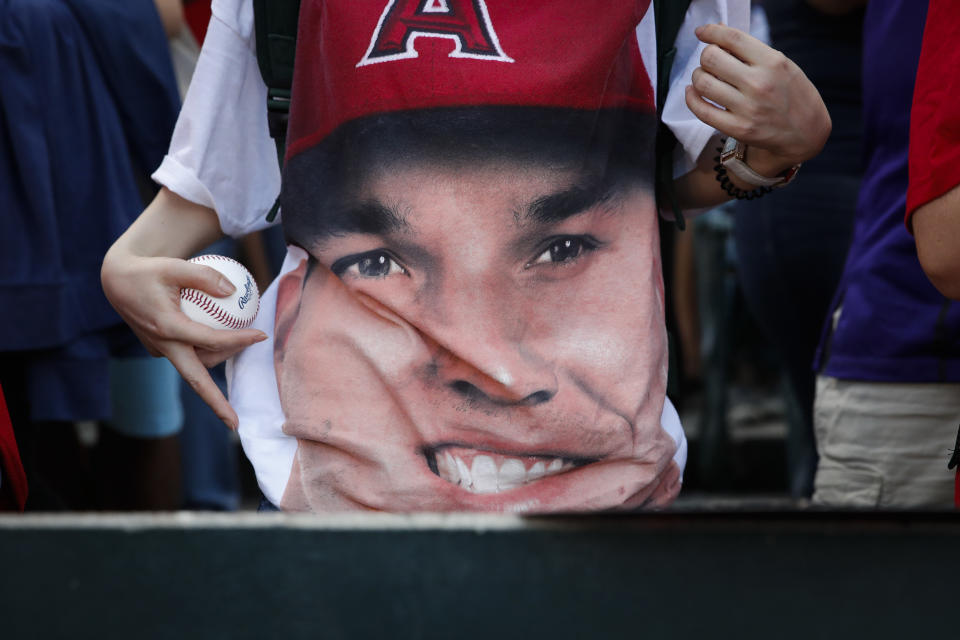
point(262, 337)
point(698, 30)
point(225, 287)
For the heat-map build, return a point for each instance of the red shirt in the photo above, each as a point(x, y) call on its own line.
point(197, 15)
point(935, 116)
point(13, 490)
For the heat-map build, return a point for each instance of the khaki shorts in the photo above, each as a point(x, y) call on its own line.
point(885, 444)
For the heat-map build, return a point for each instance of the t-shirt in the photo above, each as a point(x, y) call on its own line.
point(935, 119)
point(892, 325)
point(472, 315)
point(13, 480)
point(227, 95)
point(829, 50)
point(88, 101)
point(209, 162)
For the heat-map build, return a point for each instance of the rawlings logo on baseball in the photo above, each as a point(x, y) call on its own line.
point(247, 292)
point(235, 311)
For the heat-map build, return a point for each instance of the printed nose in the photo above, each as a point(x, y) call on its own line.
point(486, 351)
point(472, 392)
point(497, 375)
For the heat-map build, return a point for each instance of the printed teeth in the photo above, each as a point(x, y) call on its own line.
point(493, 473)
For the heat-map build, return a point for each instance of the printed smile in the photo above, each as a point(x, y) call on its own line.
point(480, 471)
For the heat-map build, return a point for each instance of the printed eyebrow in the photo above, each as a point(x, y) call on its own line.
point(377, 219)
point(557, 207)
point(371, 217)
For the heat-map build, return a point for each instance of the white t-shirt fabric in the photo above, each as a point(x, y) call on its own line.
point(221, 156)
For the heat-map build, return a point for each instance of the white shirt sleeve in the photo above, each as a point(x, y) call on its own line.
point(692, 135)
point(221, 154)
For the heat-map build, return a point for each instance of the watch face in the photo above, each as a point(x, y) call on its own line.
point(732, 150)
point(729, 144)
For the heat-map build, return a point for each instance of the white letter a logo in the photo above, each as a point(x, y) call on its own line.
point(466, 22)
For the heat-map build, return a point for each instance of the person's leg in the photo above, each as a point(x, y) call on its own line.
point(57, 466)
point(716, 298)
point(211, 477)
point(137, 474)
point(684, 297)
point(138, 454)
point(791, 246)
point(885, 444)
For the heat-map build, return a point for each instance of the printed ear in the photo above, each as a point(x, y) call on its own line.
point(289, 292)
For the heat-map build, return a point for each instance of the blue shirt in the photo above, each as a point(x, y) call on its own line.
point(88, 102)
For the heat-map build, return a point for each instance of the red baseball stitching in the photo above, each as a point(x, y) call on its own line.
point(212, 309)
point(206, 303)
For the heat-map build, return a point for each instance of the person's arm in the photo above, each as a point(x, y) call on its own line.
point(765, 101)
point(142, 275)
point(171, 15)
point(936, 229)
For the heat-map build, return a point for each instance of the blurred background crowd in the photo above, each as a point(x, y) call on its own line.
point(89, 95)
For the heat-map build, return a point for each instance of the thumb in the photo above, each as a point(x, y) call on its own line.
point(187, 275)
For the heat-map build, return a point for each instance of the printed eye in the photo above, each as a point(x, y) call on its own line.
point(565, 249)
point(372, 264)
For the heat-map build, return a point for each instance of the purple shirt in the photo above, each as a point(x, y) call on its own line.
point(894, 325)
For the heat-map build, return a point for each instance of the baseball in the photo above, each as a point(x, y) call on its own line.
point(235, 311)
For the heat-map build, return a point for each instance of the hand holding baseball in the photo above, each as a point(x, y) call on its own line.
point(145, 290)
point(765, 100)
point(236, 310)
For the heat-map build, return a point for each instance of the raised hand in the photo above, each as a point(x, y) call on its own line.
point(760, 97)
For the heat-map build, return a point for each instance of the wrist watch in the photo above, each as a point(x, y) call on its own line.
point(732, 158)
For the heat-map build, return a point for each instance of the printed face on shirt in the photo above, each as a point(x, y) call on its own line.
point(490, 337)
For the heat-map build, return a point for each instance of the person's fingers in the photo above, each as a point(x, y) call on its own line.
point(213, 358)
point(188, 275)
point(176, 326)
point(740, 44)
point(185, 359)
point(724, 66)
point(151, 348)
point(716, 90)
point(723, 121)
